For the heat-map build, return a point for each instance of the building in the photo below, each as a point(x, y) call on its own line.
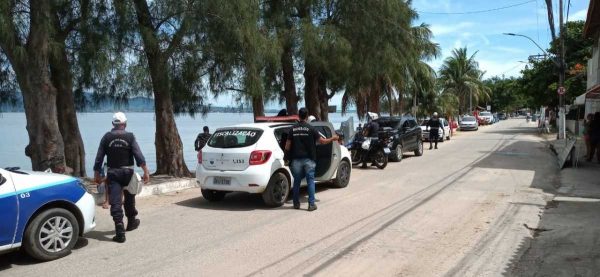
point(591, 98)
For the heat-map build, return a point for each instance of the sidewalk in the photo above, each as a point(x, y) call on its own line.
point(567, 240)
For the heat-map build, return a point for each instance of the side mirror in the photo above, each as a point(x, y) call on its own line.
point(2, 180)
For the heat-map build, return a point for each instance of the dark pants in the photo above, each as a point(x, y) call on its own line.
point(117, 179)
point(434, 136)
point(594, 148)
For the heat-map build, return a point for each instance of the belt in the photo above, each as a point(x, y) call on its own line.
point(122, 167)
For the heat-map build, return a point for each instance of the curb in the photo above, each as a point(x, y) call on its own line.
point(162, 185)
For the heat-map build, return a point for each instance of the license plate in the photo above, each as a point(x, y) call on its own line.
point(386, 150)
point(222, 181)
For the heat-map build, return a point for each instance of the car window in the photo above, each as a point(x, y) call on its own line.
point(486, 114)
point(412, 123)
point(445, 123)
point(468, 118)
point(234, 138)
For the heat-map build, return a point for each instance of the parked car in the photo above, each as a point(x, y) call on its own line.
point(44, 213)
point(487, 117)
point(468, 123)
point(406, 136)
point(249, 158)
point(445, 132)
point(502, 116)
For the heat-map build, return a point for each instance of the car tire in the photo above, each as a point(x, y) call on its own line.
point(396, 155)
point(419, 151)
point(342, 177)
point(277, 191)
point(213, 195)
point(51, 234)
point(442, 136)
point(381, 159)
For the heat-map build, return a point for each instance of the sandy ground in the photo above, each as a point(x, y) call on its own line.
point(461, 210)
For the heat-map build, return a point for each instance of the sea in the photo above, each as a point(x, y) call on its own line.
point(14, 138)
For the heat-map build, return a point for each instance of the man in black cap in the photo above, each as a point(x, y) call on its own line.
point(120, 148)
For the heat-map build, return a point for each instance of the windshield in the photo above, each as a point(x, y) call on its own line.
point(234, 138)
point(486, 114)
point(468, 118)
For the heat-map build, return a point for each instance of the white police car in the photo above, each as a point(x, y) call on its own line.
point(44, 213)
point(249, 158)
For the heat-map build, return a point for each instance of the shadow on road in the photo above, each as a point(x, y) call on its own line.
point(19, 257)
point(240, 201)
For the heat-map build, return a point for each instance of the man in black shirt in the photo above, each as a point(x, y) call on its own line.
point(371, 130)
point(120, 148)
point(302, 148)
point(433, 125)
point(202, 139)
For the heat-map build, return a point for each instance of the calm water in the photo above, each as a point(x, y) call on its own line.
point(14, 138)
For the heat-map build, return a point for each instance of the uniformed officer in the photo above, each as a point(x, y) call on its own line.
point(433, 125)
point(120, 148)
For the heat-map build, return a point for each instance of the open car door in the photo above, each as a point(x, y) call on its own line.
point(328, 155)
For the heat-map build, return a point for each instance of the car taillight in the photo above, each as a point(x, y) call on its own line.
point(200, 156)
point(259, 157)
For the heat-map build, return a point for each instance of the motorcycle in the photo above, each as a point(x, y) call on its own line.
point(369, 150)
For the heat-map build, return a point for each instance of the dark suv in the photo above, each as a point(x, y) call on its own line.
point(406, 135)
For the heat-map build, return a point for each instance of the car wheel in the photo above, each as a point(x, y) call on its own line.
point(51, 234)
point(277, 190)
point(355, 155)
point(380, 159)
point(419, 151)
point(213, 195)
point(342, 177)
point(396, 155)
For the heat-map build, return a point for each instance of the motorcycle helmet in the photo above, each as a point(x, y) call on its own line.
point(372, 115)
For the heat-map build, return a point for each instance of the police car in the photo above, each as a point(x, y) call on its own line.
point(249, 158)
point(44, 213)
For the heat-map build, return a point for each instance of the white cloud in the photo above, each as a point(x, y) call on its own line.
point(580, 15)
point(499, 68)
point(440, 30)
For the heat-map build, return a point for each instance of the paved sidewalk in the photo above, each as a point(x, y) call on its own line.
point(567, 240)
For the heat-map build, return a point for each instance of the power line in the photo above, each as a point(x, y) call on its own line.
point(480, 11)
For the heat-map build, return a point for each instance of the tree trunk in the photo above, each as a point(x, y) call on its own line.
point(375, 97)
point(311, 90)
point(45, 148)
point(258, 107)
point(169, 148)
point(66, 113)
point(289, 82)
point(323, 99)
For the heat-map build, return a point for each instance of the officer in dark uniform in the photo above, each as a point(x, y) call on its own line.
point(371, 130)
point(433, 125)
point(120, 148)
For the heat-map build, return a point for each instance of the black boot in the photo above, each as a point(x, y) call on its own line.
point(132, 224)
point(120, 230)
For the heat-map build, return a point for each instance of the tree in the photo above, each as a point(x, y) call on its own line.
point(460, 75)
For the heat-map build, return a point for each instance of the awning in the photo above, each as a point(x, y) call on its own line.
point(593, 93)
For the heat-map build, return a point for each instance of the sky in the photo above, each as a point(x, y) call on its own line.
point(497, 54)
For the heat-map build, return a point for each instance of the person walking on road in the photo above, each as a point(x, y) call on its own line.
point(587, 125)
point(434, 125)
point(120, 148)
point(594, 134)
point(302, 149)
point(202, 139)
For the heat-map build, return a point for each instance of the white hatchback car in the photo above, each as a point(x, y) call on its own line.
point(445, 133)
point(249, 158)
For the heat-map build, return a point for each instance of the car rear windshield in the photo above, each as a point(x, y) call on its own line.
point(486, 114)
point(234, 138)
point(468, 118)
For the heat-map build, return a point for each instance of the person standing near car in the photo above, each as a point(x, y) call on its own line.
point(371, 130)
point(433, 125)
point(120, 148)
point(302, 149)
point(202, 139)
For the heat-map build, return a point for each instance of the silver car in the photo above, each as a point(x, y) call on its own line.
point(468, 123)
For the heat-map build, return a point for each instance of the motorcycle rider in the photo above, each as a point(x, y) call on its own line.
point(370, 131)
point(434, 124)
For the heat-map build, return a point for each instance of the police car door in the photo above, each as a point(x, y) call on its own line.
point(328, 155)
point(9, 208)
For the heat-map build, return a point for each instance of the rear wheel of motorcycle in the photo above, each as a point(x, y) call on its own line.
point(356, 157)
point(380, 159)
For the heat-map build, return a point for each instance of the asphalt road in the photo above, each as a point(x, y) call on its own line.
point(465, 209)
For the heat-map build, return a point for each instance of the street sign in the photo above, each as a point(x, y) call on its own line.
point(561, 90)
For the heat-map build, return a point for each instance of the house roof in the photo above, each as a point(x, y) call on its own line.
point(592, 23)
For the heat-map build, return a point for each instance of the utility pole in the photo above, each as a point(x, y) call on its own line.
point(561, 72)
point(470, 102)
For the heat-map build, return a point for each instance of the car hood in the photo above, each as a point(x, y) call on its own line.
point(37, 178)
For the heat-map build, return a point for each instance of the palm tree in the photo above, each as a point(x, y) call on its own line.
point(460, 75)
